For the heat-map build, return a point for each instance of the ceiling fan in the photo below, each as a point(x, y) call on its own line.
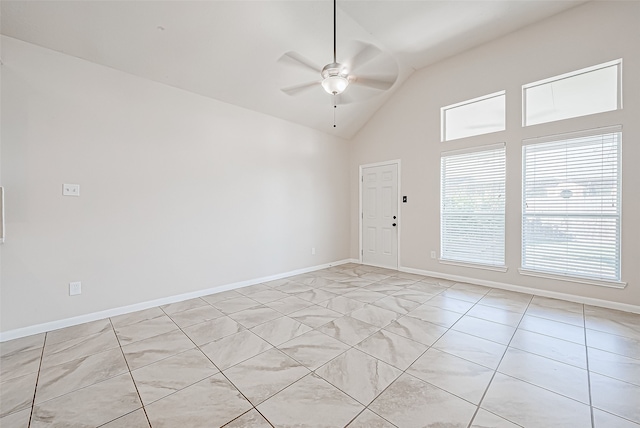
point(337, 77)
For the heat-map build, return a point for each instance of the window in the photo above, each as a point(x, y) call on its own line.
point(579, 93)
point(473, 117)
point(472, 206)
point(571, 205)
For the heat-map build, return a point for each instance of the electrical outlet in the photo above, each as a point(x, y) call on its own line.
point(70, 190)
point(433, 254)
point(75, 288)
point(313, 251)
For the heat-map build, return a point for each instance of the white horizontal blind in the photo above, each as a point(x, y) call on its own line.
point(571, 207)
point(472, 206)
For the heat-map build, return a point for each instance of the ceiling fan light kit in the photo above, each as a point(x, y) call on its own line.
point(334, 78)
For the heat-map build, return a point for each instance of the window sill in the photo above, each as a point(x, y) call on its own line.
point(598, 282)
point(474, 265)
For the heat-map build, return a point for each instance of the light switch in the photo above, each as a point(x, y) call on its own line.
point(71, 190)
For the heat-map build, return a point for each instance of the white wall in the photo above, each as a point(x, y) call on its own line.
point(408, 128)
point(178, 192)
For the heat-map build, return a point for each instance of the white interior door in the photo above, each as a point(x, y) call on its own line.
point(380, 216)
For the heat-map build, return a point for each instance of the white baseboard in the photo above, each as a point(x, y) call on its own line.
point(67, 322)
point(535, 291)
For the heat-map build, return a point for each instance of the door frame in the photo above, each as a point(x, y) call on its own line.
point(396, 162)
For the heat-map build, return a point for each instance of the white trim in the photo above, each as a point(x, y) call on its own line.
point(473, 149)
point(535, 291)
point(443, 110)
point(574, 134)
point(81, 319)
point(474, 265)
point(589, 281)
point(397, 162)
point(617, 62)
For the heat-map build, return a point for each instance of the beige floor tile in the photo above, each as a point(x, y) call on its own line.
point(19, 364)
point(550, 347)
point(384, 287)
point(58, 380)
point(416, 329)
point(73, 332)
point(69, 350)
point(614, 396)
point(396, 304)
point(312, 400)
point(339, 288)
point(613, 343)
point(497, 315)
point(280, 330)
point(197, 315)
point(472, 348)
point(348, 330)
point(557, 310)
point(313, 349)
point(342, 304)
point(136, 317)
point(616, 366)
point(365, 296)
point(316, 296)
point(375, 315)
point(255, 316)
point(252, 289)
point(413, 295)
point(93, 406)
point(611, 321)
point(267, 296)
point(17, 393)
point(251, 419)
point(555, 376)
point(450, 304)
point(292, 288)
point(531, 406)
point(218, 297)
point(16, 420)
point(484, 329)
point(209, 331)
point(392, 349)
point(486, 419)
point(233, 349)
point(264, 375)
point(156, 348)
point(172, 374)
point(212, 402)
point(27, 343)
point(230, 306)
point(410, 402)
point(145, 329)
point(435, 315)
point(368, 419)
point(288, 305)
point(185, 305)
point(359, 375)
point(315, 316)
point(552, 328)
point(509, 300)
point(453, 374)
point(607, 420)
point(136, 419)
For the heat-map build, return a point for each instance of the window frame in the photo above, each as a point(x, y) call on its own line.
point(443, 115)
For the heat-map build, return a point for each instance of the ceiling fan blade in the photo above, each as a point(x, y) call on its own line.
point(294, 58)
point(366, 53)
point(382, 83)
point(298, 89)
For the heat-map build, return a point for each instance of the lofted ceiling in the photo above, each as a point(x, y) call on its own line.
point(232, 50)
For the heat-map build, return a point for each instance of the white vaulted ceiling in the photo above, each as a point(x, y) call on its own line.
point(230, 50)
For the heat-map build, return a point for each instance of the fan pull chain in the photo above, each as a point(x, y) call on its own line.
point(334, 110)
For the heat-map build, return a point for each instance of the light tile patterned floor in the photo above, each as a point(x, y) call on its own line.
point(351, 345)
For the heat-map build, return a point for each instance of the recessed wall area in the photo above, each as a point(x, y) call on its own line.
point(182, 193)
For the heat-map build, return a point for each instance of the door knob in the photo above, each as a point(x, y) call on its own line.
point(394, 217)
point(393, 225)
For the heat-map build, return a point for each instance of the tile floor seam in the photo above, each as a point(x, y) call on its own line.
point(35, 389)
point(586, 350)
point(130, 375)
point(484, 394)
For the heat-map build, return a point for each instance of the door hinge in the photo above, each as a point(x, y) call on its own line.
point(361, 215)
point(362, 178)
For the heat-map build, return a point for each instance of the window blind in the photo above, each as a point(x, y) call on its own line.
point(473, 206)
point(571, 206)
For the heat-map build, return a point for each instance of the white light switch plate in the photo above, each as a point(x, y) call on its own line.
point(71, 190)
